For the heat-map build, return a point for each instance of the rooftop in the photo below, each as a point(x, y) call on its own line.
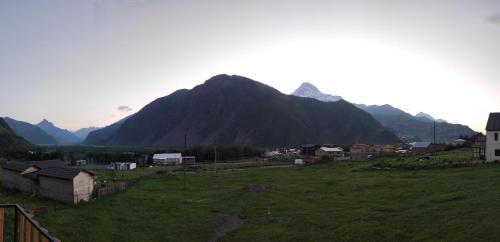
point(493, 122)
point(61, 172)
point(16, 166)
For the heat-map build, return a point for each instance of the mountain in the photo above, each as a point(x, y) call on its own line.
point(63, 136)
point(103, 136)
point(414, 128)
point(237, 110)
point(84, 132)
point(8, 139)
point(424, 117)
point(408, 127)
point(30, 132)
point(309, 90)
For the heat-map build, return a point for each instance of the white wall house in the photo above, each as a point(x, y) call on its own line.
point(493, 138)
point(167, 159)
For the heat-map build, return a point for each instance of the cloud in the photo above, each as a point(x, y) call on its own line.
point(124, 109)
point(493, 20)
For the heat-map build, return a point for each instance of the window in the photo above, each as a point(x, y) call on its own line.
point(496, 136)
point(497, 152)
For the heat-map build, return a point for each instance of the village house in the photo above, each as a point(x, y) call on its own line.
point(492, 138)
point(58, 183)
point(188, 160)
point(167, 159)
point(122, 166)
point(362, 152)
point(330, 152)
point(309, 150)
point(479, 147)
point(420, 148)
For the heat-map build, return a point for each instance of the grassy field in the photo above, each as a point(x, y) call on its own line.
point(328, 202)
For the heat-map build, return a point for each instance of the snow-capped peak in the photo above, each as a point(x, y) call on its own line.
point(309, 90)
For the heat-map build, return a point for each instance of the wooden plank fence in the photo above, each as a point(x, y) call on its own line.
point(110, 188)
point(25, 229)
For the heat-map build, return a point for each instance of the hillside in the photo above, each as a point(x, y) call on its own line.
point(8, 139)
point(63, 136)
point(404, 125)
point(30, 132)
point(415, 128)
point(237, 110)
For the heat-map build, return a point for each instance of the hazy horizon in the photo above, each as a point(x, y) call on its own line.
point(90, 63)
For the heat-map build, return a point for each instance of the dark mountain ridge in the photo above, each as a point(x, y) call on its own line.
point(237, 110)
point(30, 132)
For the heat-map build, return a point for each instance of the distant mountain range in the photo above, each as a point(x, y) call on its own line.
point(8, 139)
point(84, 132)
point(63, 136)
point(237, 110)
point(44, 133)
point(406, 126)
point(309, 90)
point(30, 132)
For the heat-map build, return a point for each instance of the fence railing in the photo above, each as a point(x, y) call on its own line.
point(16, 225)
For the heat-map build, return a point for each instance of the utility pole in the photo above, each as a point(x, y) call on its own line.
point(434, 132)
point(183, 164)
point(215, 158)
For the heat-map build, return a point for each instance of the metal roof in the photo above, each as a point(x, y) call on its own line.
point(167, 156)
point(328, 149)
point(421, 144)
point(60, 172)
point(493, 122)
point(49, 163)
point(17, 166)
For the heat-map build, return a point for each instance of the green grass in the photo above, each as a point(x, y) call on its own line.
point(322, 203)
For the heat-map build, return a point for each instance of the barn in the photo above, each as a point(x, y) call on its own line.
point(62, 184)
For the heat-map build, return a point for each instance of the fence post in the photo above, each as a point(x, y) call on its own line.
point(1, 223)
point(16, 221)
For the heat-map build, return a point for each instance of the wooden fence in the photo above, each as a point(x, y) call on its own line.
point(109, 188)
point(17, 225)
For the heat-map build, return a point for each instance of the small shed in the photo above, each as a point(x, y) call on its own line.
point(12, 175)
point(66, 185)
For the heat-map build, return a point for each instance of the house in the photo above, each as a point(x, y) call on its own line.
point(270, 154)
point(479, 147)
point(12, 175)
point(387, 149)
point(309, 149)
point(459, 142)
point(492, 138)
point(419, 148)
point(188, 160)
point(167, 159)
point(58, 183)
point(362, 152)
point(65, 184)
point(121, 166)
point(330, 152)
point(80, 163)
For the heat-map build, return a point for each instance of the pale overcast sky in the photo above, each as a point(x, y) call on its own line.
point(91, 62)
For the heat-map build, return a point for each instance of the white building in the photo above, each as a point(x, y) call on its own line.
point(328, 151)
point(492, 138)
point(167, 159)
point(122, 166)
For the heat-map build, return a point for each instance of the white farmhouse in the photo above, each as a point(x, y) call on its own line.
point(167, 159)
point(492, 138)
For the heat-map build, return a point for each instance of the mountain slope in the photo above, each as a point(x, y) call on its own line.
point(104, 135)
point(32, 133)
point(310, 91)
point(8, 139)
point(84, 132)
point(422, 128)
point(237, 110)
point(404, 125)
point(63, 136)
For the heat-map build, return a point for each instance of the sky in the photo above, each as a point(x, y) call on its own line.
point(81, 63)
